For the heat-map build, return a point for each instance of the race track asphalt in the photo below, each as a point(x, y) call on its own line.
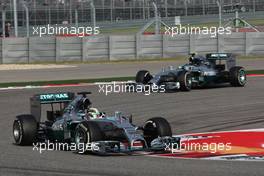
point(200, 110)
point(102, 70)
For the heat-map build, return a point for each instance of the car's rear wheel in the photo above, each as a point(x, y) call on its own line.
point(156, 127)
point(85, 134)
point(237, 76)
point(185, 80)
point(25, 130)
point(143, 76)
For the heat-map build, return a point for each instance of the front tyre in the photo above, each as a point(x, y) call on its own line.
point(156, 127)
point(237, 76)
point(143, 76)
point(85, 134)
point(185, 80)
point(25, 130)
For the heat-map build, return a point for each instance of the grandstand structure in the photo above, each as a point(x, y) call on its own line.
point(43, 12)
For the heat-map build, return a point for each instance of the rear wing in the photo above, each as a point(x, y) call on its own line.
point(48, 98)
point(222, 56)
point(228, 57)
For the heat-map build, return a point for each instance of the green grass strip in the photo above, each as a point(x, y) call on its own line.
point(61, 82)
point(255, 72)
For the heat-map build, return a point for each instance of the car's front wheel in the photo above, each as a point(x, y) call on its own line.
point(143, 76)
point(25, 130)
point(185, 80)
point(156, 127)
point(85, 134)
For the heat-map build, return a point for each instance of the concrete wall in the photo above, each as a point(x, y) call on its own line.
point(15, 50)
point(203, 44)
point(235, 43)
point(122, 47)
point(254, 43)
point(42, 49)
point(150, 46)
point(96, 48)
point(68, 49)
point(178, 45)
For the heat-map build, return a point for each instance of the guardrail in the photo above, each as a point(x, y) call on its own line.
point(97, 48)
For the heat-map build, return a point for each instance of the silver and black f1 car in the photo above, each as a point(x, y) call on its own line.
point(77, 122)
point(214, 68)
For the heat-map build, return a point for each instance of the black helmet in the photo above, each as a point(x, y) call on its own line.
point(84, 104)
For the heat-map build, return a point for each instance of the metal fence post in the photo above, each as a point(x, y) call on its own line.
point(254, 5)
point(157, 22)
point(143, 10)
point(76, 18)
point(15, 17)
point(111, 10)
point(93, 14)
point(3, 22)
point(219, 4)
point(166, 8)
point(25, 5)
point(186, 7)
point(70, 10)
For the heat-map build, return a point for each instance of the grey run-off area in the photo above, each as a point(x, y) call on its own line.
point(13, 73)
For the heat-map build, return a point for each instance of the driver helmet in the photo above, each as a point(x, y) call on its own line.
point(193, 54)
point(84, 104)
point(191, 59)
point(94, 113)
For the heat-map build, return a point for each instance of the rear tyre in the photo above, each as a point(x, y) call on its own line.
point(156, 127)
point(85, 134)
point(237, 76)
point(25, 130)
point(143, 76)
point(185, 80)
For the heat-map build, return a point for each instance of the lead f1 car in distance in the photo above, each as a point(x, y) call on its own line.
point(77, 122)
point(214, 68)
